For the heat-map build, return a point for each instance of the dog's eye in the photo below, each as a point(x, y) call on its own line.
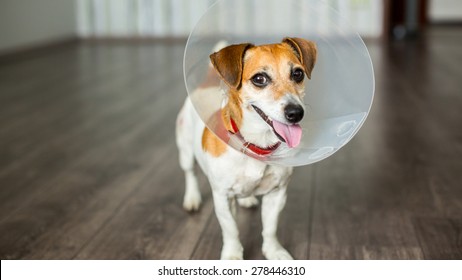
point(298, 75)
point(260, 80)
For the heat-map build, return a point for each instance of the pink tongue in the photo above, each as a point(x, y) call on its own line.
point(291, 133)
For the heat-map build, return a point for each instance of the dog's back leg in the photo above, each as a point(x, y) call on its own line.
point(184, 139)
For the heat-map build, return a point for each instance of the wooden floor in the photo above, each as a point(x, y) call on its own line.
point(88, 164)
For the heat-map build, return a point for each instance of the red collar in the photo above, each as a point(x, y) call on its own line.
point(254, 148)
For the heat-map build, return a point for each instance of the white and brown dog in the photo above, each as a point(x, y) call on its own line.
point(264, 105)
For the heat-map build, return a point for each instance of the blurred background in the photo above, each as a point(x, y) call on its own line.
point(89, 92)
point(30, 23)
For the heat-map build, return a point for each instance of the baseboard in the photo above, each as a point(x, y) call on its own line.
point(446, 23)
point(136, 39)
point(33, 49)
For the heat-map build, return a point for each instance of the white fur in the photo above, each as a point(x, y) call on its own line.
point(232, 175)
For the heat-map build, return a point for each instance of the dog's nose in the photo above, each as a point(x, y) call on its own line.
point(294, 113)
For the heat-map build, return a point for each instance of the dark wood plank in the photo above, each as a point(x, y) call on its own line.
point(401, 163)
point(364, 193)
point(336, 252)
point(296, 219)
point(100, 240)
point(88, 165)
point(64, 235)
point(68, 137)
point(107, 188)
point(151, 221)
point(440, 238)
point(293, 228)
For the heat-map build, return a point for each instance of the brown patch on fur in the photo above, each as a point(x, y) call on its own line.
point(306, 52)
point(212, 144)
point(232, 110)
point(229, 63)
point(276, 57)
point(237, 64)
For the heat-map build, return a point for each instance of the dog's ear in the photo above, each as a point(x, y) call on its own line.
point(306, 52)
point(229, 63)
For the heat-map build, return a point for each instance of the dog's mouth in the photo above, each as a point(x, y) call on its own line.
point(291, 134)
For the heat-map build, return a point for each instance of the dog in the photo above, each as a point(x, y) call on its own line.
point(264, 106)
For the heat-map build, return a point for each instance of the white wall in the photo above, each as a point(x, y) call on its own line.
point(445, 10)
point(167, 18)
point(146, 18)
point(27, 23)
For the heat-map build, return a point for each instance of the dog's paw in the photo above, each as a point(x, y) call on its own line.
point(232, 252)
point(192, 201)
point(280, 254)
point(274, 251)
point(248, 202)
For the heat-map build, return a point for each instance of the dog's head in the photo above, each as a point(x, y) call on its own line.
point(266, 88)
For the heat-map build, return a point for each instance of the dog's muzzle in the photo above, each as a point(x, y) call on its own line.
point(293, 113)
point(289, 133)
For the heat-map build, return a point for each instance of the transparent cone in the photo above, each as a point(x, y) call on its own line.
point(338, 96)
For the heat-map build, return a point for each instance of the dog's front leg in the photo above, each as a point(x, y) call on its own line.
point(272, 204)
point(232, 248)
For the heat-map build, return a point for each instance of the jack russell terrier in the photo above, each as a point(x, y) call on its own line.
point(264, 106)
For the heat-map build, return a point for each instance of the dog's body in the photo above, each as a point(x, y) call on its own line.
point(265, 103)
